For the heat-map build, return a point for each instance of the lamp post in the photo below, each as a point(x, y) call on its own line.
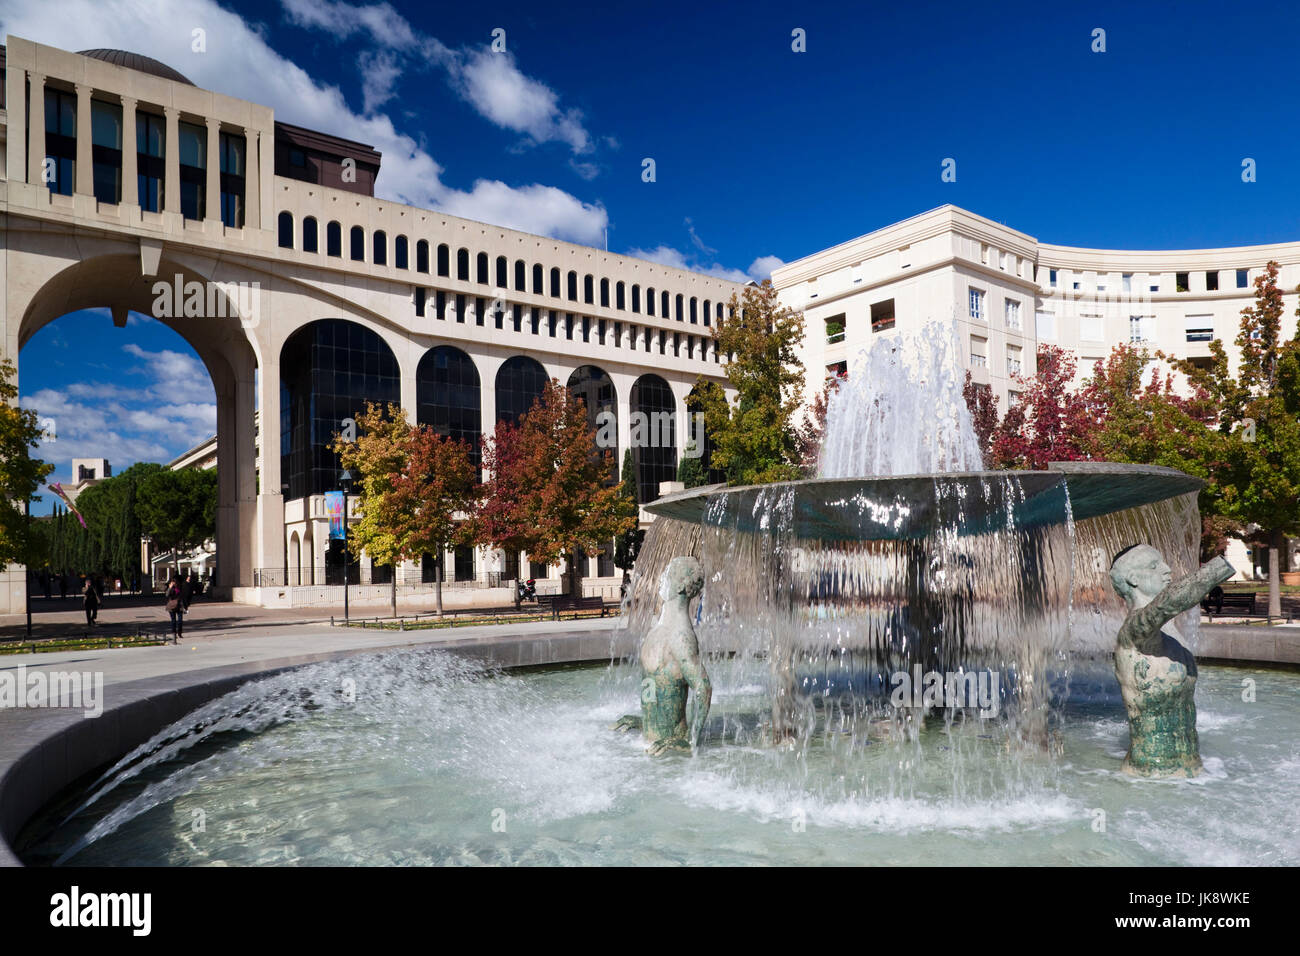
point(345, 484)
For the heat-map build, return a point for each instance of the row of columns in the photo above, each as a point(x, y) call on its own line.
point(130, 167)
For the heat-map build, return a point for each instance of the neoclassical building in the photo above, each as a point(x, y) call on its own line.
point(263, 246)
point(1007, 292)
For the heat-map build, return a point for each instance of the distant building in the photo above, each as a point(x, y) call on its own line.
point(85, 473)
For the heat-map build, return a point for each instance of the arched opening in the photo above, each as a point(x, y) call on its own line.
point(538, 280)
point(653, 434)
point(462, 265)
point(555, 283)
point(588, 290)
point(520, 382)
point(664, 301)
point(593, 385)
point(521, 276)
point(503, 272)
point(309, 235)
point(481, 273)
point(334, 240)
point(285, 221)
point(444, 261)
point(636, 298)
point(573, 286)
point(380, 248)
point(422, 256)
point(401, 257)
point(619, 298)
point(329, 369)
point(448, 397)
point(295, 560)
point(358, 250)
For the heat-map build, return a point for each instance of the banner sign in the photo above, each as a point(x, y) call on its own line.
point(334, 508)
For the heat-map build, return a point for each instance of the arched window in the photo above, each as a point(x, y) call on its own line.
point(381, 248)
point(588, 290)
point(444, 260)
point(358, 244)
point(448, 397)
point(573, 286)
point(664, 301)
point(650, 301)
point(653, 434)
point(555, 283)
point(620, 302)
point(334, 240)
point(286, 230)
point(604, 293)
point(329, 369)
point(503, 273)
point(520, 383)
point(400, 258)
point(636, 298)
point(680, 310)
point(483, 268)
point(462, 265)
point(539, 280)
point(596, 389)
point(310, 238)
point(521, 276)
point(706, 311)
point(422, 256)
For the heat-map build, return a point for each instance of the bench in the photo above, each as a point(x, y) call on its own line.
point(1243, 601)
point(556, 604)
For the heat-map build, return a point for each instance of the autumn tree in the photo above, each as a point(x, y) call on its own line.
point(1048, 422)
point(20, 473)
point(547, 491)
point(428, 500)
point(812, 428)
point(983, 407)
point(754, 437)
point(1259, 407)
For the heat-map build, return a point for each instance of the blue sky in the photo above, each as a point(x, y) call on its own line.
point(762, 154)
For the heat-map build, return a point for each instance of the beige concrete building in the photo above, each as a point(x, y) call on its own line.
point(264, 247)
point(1007, 292)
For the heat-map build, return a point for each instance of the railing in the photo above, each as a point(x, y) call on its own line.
point(834, 337)
point(332, 576)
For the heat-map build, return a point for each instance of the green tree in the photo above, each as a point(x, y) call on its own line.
point(1259, 406)
point(754, 438)
point(628, 544)
point(691, 471)
point(178, 509)
point(20, 473)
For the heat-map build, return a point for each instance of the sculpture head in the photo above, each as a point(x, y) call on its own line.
point(683, 576)
point(1139, 572)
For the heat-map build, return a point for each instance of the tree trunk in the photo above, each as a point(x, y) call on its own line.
point(1276, 542)
point(437, 580)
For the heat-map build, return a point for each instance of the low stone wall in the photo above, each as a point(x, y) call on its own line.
point(1249, 644)
point(43, 751)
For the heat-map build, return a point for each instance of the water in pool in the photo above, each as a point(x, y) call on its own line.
point(420, 757)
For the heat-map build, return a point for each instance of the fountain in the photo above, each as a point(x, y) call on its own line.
point(828, 608)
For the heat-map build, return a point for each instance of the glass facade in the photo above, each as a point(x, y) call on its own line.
point(151, 152)
point(596, 389)
point(193, 143)
point(60, 171)
point(329, 370)
point(106, 151)
point(233, 173)
point(654, 451)
point(520, 383)
point(447, 396)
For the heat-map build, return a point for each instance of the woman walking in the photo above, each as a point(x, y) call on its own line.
point(176, 607)
point(90, 601)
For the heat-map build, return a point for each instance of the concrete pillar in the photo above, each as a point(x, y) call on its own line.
point(35, 131)
point(212, 211)
point(228, 538)
point(172, 162)
point(16, 141)
point(130, 165)
point(85, 185)
point(252, 178)
point(270, 498)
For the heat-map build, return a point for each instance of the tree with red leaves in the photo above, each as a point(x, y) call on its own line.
point(983, 407)
point(811, 430)
point(1049, 422)
point(547, 491)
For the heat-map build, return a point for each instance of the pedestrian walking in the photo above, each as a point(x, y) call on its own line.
point(176, 607)
point(187, 590)
point(90, 601)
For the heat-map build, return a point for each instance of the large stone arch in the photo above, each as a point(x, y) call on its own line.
point(520, 381)
point(596, 388)
point(449, 397)
point(62, 274)
point(654, 440)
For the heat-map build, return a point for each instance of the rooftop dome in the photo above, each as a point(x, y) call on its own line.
point(135, 61)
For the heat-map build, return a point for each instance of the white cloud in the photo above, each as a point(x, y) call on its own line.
point(760, 269)
point(240, 63)
point(171, 410)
